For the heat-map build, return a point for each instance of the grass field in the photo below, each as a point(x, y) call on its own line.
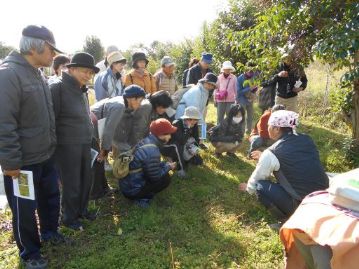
point(200, 222)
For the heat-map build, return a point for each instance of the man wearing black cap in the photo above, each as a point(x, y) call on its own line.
point(74, 133)
point(27, 142)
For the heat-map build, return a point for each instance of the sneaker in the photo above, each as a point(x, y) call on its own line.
point(143, 203)
point(39, 263)
point(76, 226)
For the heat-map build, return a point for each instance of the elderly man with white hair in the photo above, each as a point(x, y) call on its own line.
point(27, 142)
point(294, 161)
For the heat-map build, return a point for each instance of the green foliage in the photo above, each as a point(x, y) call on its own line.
point(5, 50)
point(94, 47)
point(218, 36)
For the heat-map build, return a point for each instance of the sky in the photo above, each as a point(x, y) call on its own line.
point(120, 23)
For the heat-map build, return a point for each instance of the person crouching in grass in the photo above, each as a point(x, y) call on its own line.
point(148, 175)
point(227, 136)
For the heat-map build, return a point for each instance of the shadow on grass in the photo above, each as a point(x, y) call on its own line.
point(332, 146)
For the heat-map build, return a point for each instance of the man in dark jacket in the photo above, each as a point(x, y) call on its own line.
point(148, 175)
point(198, 71)
point(290, 79)
point(74, 131)
point(27, 142)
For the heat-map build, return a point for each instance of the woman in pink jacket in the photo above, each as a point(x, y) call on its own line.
point(226, 92)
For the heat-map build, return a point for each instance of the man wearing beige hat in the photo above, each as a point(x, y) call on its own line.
point(165, 79)
point(109, 82)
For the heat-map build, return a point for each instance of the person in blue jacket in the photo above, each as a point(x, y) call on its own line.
point(148, 175)
point(245, 93)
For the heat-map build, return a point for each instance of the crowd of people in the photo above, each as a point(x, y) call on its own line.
point(146, 124)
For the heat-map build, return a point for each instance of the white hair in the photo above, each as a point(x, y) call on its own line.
point(29, 43)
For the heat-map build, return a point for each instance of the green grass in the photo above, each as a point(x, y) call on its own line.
point(200, 222)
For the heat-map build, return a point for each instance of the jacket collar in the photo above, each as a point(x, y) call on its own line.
point(154, 140)
point(66, 78)
point(16, 57)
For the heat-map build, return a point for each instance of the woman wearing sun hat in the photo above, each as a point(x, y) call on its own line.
point(109, 82)
point(226, 93)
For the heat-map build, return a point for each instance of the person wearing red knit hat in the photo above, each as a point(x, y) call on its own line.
point(148, 175)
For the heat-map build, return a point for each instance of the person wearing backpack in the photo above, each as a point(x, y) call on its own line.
point(139, 75)
point(226, 93)
point(191, 63)
point(149, 175)
point(227, 136)
point(113, 111)
point(294, 161)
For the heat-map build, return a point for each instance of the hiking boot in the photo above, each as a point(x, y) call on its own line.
point(55, 239)
point(38, 263)
point(76, 226)
point(143, 203)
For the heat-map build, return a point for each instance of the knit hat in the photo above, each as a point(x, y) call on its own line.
point(209, 78)
point(162, 127)
point(284, 118)
point(227, 65)
point(206, 57)
point(191, 112)
point(134, 91)
point(114, 57)
point(167, 61)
